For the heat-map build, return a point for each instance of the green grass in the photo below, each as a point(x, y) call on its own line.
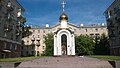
point(106, 57)
point(18, 59)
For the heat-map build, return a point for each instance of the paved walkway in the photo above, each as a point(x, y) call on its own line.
point(65, 62)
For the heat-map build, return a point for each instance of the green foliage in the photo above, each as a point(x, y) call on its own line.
point(106, 57)
point(18, 59)
point(101, 45)
point(49, 41)
point(84, 45)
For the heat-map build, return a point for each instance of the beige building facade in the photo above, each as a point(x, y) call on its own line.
point(11, 21)
point(34, 43)
point(113, 24)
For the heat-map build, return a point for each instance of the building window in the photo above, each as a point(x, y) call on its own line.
point(33, 36)
point(10, 46)
point(38, 53)
point(92, 35)
point(97, 34)
point(5, 34)
point(33, 31)
point(12, 36)
point(22, 47)
point(38, 36)
point(15, 47)
point(26, 52)
point(38, 31)
point(0, 25)
point(81, 30)
point(43, 47)
point(116, 9)
point(33, 47)
point(48, 30)
point(27, 41)
point(43, 31)
point(33, 53)
point(86, 30)
point(96, 30)
point(0, 7)
point(5, 45)
point(43, 36)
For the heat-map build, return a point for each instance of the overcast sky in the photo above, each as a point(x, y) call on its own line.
point(41, 12)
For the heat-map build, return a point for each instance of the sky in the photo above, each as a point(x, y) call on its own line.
point(41, 12)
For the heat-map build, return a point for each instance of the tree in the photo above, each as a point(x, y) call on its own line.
point(84, 45)
point(49, 41)
point(26, 31)
point(102, 46)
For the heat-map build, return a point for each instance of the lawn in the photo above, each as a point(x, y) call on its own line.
point(106, 57)
point(18, 59)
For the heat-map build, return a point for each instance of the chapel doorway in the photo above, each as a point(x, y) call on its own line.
point(64, 44)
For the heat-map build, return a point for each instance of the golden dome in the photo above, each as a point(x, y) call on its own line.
point(63, 16)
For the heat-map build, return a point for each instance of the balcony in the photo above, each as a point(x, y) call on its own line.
point(33, 39)
point(38, 44)
point(17, 33)
point(19, 14)
point(38, 39)
point(22, 19)
point(10, 7)
point(9, 17)
point(6, 28)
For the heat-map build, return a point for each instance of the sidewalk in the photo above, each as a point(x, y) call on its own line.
point(65, 62)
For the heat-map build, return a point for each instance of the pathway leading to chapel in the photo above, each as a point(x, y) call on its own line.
point(65, 62)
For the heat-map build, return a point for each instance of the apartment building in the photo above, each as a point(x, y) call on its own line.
point(112, 14)
point(11, 23)
point(34, 43)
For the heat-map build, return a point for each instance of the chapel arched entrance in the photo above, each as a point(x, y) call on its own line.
point(64, 44)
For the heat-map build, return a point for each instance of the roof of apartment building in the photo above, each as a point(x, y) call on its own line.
point(80, 26)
